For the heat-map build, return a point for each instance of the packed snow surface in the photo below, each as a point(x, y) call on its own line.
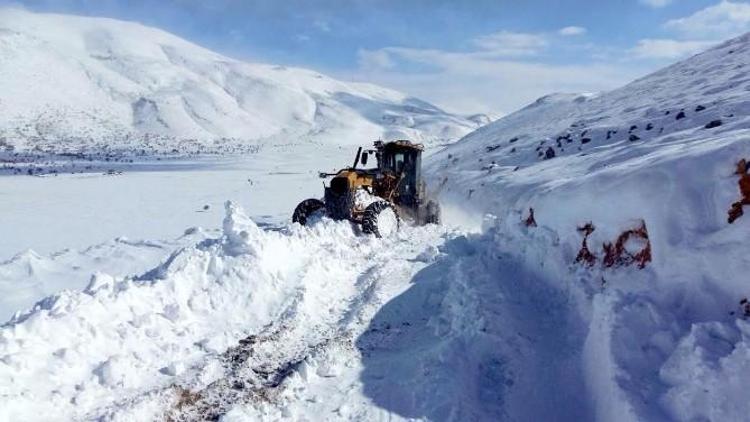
point(89, 84)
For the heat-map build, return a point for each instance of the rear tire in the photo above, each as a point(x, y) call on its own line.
point(380, 219)
point(305, 209)
point(432, 213)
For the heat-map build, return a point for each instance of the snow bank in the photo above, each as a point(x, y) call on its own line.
point(28, 276)
point(649, 346)
point(668, 341)
point(478, 336)
point(78, 354)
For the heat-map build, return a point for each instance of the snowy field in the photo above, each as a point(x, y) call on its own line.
point(128, 222)
point(49, 213)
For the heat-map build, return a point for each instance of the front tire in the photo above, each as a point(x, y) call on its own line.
point(305, 209)
point(380, 219)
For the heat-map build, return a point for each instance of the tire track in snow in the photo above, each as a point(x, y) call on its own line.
point(305, 273)
point(256, 369)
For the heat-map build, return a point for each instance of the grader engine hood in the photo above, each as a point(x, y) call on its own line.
point(352, 179)
point(347, 193)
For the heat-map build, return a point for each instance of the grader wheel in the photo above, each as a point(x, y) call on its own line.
point(380, 219)
point(305, 209)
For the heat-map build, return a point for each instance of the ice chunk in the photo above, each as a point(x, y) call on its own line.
point(241, 234)
point(173, 369)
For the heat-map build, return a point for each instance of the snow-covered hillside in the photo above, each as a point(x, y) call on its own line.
point(70, 83)
point(652, 165)
point(710, 89)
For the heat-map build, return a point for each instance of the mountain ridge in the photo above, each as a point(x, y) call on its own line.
point(707, 87)
point(81, 80)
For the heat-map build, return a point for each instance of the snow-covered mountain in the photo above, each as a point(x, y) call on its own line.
point(587, 188)
point(697, 109)
point(676, 102)
point(67, 81)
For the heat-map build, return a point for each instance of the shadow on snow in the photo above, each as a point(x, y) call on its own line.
point(476, 337)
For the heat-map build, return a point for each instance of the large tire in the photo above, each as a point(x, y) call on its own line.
point(380, 219)
point(432, 213)
point(305, 209)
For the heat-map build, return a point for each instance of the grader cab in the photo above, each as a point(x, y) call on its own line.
point(376, 198)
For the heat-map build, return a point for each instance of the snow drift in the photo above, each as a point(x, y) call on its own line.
point(28, 276)
point(74, 82)
point(669, 341)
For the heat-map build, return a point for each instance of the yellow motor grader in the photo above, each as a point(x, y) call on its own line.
point(376, 198)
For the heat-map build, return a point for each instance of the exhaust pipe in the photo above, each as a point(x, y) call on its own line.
point(356, 159)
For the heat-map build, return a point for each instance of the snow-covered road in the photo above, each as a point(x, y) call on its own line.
point(118, 333)
point(432, 324)
point(322, 323)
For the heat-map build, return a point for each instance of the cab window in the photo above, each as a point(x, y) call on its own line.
point(398, 161)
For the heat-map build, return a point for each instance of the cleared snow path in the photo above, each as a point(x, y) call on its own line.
point(459, 332)
point(476, 337)
point(344, 280)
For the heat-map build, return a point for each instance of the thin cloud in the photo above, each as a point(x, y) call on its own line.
point(374, 59)
point(667, 48)
point(694, 33)
point(656, 4)
point(506, 43)
point(494, 76)
point(572, 30)
point(478, 86)
point(723, 20)
point(322, 25)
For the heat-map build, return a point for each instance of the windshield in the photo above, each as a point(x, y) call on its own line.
point(398, 161)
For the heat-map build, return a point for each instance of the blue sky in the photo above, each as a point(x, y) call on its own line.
point(468, 56)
